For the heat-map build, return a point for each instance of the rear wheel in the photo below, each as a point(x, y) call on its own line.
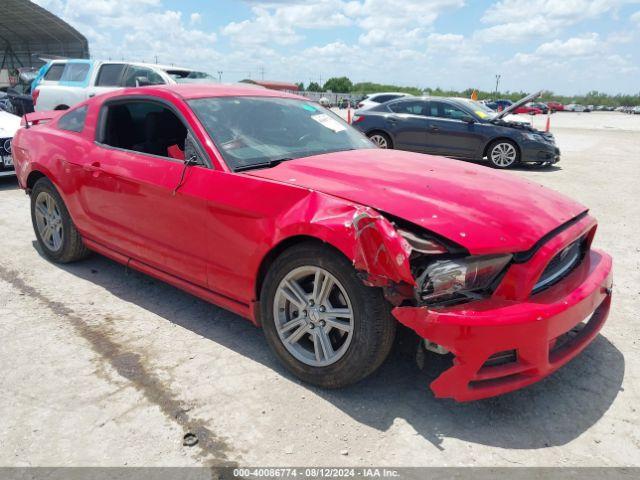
point(382, 140)
point(57, 236)
point(503, 154)
point(321, 321)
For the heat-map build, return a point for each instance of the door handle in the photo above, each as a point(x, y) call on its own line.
point(392, 119)
point(93, 167)
point(434, 129)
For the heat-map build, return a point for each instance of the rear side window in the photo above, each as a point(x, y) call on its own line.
point(55, 72)
point(75, 72)
point(410, 107)
point(384, 98)
point(73, 121)
point(109, 75)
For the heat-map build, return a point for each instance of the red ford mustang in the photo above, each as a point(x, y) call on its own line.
point(272, 207)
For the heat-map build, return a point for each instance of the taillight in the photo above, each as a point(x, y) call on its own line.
point(357, 118)
point(35, 95)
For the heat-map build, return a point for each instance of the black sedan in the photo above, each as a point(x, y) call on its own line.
point(458, 128)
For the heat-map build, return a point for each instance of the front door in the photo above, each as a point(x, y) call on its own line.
point(450, 136)
point(130, 191)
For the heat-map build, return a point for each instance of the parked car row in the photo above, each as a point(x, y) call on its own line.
point(626, 109)
point(322, 239)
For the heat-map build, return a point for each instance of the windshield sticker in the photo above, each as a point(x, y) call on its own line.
point(481, 114)
point(328, 122)
point(309, 108)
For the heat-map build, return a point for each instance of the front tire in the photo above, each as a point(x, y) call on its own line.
point(503, 154)
point(57, 236)
point(321, 321)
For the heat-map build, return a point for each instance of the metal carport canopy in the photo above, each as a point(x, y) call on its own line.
point(28, 30)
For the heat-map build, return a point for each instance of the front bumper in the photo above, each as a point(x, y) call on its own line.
point(540, 152)
point(536, 334)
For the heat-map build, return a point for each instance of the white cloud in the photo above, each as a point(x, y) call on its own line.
point(514, 20)
point(278, 22)
point(635, 17)
point(583, 46)
point(195, 18)
point(137, 30)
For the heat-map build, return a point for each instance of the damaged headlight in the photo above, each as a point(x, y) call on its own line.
point(460, 279)
point(422, 244)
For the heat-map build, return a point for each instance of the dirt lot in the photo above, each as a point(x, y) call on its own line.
point(101, 366)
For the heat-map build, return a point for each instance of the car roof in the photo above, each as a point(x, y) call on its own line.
point(387, 93)
point(191, 91)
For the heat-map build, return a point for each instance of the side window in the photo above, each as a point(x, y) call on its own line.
point(109, 75)
point(140, 76)
point(55, 72)
point(75, 72)
point(73, 121)
point(144, 127)
point(411, 107)
point(382, 98)
point(445, 110)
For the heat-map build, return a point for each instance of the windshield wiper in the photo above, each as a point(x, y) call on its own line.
point(269, 164)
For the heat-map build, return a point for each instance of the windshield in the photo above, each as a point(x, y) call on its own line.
point(254, 131)
point(480, 109)
point(190, 76)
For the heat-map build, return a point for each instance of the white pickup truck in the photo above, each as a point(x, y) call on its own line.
point(63, 83)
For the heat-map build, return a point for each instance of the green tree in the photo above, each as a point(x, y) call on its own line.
point(300, 86)
point(338, 85)
point(314, 87)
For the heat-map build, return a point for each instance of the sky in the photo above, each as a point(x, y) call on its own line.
point(567, 46)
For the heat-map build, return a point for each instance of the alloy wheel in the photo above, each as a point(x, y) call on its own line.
point(379, 140)
point(49, 221)
point(313, 316)
point(503, 154)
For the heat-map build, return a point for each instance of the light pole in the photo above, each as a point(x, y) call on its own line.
point(219, 76)
point(497, 83)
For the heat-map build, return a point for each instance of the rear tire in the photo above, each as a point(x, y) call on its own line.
point(57, 236)
point(361, 343)
point(381, 139)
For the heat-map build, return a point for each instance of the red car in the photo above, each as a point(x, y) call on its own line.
point(528, 109)
point(555, 106)
point(271, 206)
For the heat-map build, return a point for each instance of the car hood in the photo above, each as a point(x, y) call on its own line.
point(484, 210)
point(9, 124)
point(514, 106)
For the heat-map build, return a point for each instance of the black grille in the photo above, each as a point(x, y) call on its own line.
point(4, 143)
point(561, 265)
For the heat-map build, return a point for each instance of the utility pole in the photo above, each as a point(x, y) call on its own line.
point(497, 84)
point(262, 73)
point(220, 76)
point(156, 57)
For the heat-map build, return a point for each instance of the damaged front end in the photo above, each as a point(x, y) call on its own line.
point(485, 310)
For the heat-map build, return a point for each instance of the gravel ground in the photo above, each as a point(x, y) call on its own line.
point(104, 366)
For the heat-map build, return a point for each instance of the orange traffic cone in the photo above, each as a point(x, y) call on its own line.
point(548, 121)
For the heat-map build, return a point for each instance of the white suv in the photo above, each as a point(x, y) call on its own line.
point(63, 83)
point(375, 99)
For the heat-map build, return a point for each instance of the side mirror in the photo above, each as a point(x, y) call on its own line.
point(468, 119)
point(191, 155)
